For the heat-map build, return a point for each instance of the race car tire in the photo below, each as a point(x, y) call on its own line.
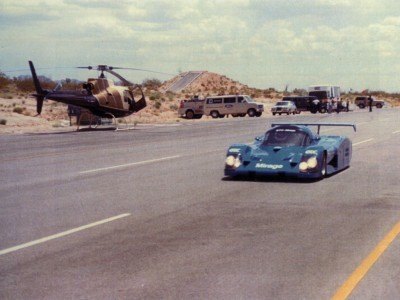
point(378, 105)
point(189, 114)
point(361, 106)
point(242, 115)
point(251, 112)
point(323, 166)
point(258, 114)
point(322, 110)
point(280, 114)
point(288, 113)
point(214, 114)
point(273, 114)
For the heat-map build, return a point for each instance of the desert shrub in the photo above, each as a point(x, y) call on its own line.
point(173, 107)
point(18, 110)
point(157, 105)
point(152, 83)
point(3, 121)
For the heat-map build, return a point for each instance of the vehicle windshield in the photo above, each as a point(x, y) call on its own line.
point(248, 99)
point(284, 137)
point(283, 103)
point(320, 94)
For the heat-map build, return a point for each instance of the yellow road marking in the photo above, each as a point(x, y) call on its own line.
point(345, 290)
point(61, 234)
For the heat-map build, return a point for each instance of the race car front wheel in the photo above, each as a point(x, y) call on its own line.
point(323, 166)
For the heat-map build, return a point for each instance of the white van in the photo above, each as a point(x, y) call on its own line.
point(235, 105)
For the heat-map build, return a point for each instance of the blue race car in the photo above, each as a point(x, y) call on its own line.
point(291, 150)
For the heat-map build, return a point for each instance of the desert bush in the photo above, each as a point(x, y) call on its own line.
point(3, 121)
point(18, 110)
point(157, 105)
point(173, 107)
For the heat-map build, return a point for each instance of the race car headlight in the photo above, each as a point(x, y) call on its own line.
point(303, 166)
point(312, 162)
point(230, 160)
point(237, 162)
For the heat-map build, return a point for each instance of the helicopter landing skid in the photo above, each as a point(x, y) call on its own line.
point(125, 128)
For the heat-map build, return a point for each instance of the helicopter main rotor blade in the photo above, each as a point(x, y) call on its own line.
point(143, 70)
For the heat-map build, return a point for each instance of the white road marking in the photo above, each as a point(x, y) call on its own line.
point(130, 164)
point(394, 132)
point(362, 142)
point(61, 234)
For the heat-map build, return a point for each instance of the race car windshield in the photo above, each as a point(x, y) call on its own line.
point(284, 138)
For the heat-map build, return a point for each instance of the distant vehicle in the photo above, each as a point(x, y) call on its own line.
point(328, 95)
point(191, 109)
point(291, 150)
point(284, 107)
point(363, 101)
point(235, 105)
point(303, 103)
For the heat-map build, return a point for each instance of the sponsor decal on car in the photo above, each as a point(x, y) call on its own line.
point(268, 166)
point(311, 152)
point(234, 150)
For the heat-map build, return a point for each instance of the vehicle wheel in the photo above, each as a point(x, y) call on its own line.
point(322, 110)
point(378, 105)
point(214, 114)
point(288, 113)
point(313, 111)
point(221, 116)
point(198, 116)
point(323, 166)
point(259, 114)
point(361, 106)
point(189, 114)
point(251, 112)
point(273, 114)
point(242, 115)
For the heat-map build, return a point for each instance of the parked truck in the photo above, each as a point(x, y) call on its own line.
point(192, 108)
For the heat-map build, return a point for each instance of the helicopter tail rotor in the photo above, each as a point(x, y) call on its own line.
point(40, 93)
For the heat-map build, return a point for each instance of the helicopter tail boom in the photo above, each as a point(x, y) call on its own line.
point(40, 93)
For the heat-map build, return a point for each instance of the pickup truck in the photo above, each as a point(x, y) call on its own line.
point(363, 102)
point(191, 109)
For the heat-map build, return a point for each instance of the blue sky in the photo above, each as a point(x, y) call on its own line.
point(270, 43)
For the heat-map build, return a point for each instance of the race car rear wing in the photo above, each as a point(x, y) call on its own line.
point(316, 124)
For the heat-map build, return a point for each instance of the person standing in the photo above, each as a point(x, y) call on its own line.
point(370, 103)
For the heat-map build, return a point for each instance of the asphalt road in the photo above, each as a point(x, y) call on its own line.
point(148, 214)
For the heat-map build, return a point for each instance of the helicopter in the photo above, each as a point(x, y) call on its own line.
point(98, 95)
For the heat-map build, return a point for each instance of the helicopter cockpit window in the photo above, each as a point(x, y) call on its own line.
point(127, 97)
